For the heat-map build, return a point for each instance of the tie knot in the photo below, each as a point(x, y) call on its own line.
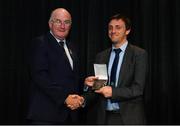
point(61, 43)
point(117, 51)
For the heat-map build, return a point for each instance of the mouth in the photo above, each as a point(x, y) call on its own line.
point(61, 30)
point(113, 36)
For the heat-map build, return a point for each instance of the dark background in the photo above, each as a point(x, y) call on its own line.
point(156, 25)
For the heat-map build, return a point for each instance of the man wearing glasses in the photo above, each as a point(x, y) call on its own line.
point(54, 74)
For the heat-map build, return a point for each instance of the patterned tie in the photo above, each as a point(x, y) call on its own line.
point(61, 43)
point(114, 67)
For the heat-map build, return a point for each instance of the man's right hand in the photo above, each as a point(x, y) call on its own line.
point(89, 81)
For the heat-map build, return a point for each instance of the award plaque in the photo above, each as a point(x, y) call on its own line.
point(100, 72)
point(99, 84)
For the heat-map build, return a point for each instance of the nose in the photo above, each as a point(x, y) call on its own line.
point(62, 25)
point(113, 30)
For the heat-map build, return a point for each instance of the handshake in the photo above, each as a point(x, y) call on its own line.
point(74, 101)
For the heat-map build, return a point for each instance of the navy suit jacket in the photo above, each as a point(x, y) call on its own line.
point(52, 80)
point(129, 91)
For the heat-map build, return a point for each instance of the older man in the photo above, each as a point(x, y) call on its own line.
point(54, 74)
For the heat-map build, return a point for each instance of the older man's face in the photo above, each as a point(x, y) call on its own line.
point(60, 24)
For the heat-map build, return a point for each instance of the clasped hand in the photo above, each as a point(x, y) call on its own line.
point(74, 101)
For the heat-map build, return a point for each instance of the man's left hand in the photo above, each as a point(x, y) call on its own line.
point(106, 91)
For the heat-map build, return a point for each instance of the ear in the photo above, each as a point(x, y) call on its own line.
point(128, 31)
point(50, 24)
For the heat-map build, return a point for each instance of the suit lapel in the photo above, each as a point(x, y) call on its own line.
point(107, 56)
point(73, 54)
point(60, 51)
point(125, 64)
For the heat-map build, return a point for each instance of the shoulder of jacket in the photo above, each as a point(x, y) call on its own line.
point(106, 51)
point(136, 49)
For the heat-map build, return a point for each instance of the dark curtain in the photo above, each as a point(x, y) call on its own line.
point(155, 28)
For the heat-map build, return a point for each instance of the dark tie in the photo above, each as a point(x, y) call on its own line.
point(114, 67)
point(61, 43)
point(68, 54)
point(113, 77)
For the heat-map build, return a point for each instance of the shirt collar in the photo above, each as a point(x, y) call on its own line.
point(58, 40)
point(123, 46)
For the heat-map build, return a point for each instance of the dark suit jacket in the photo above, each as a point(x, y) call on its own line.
point(52, 80)
point(129, 92)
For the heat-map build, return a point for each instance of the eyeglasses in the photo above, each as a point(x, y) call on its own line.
point(59, 22)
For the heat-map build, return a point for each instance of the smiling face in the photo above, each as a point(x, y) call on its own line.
point(117, 31)
point(60, 23)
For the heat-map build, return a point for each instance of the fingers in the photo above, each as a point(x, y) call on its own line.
point(74, 101)
point(72, 107)
point(89, 81)
point(106, 91)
